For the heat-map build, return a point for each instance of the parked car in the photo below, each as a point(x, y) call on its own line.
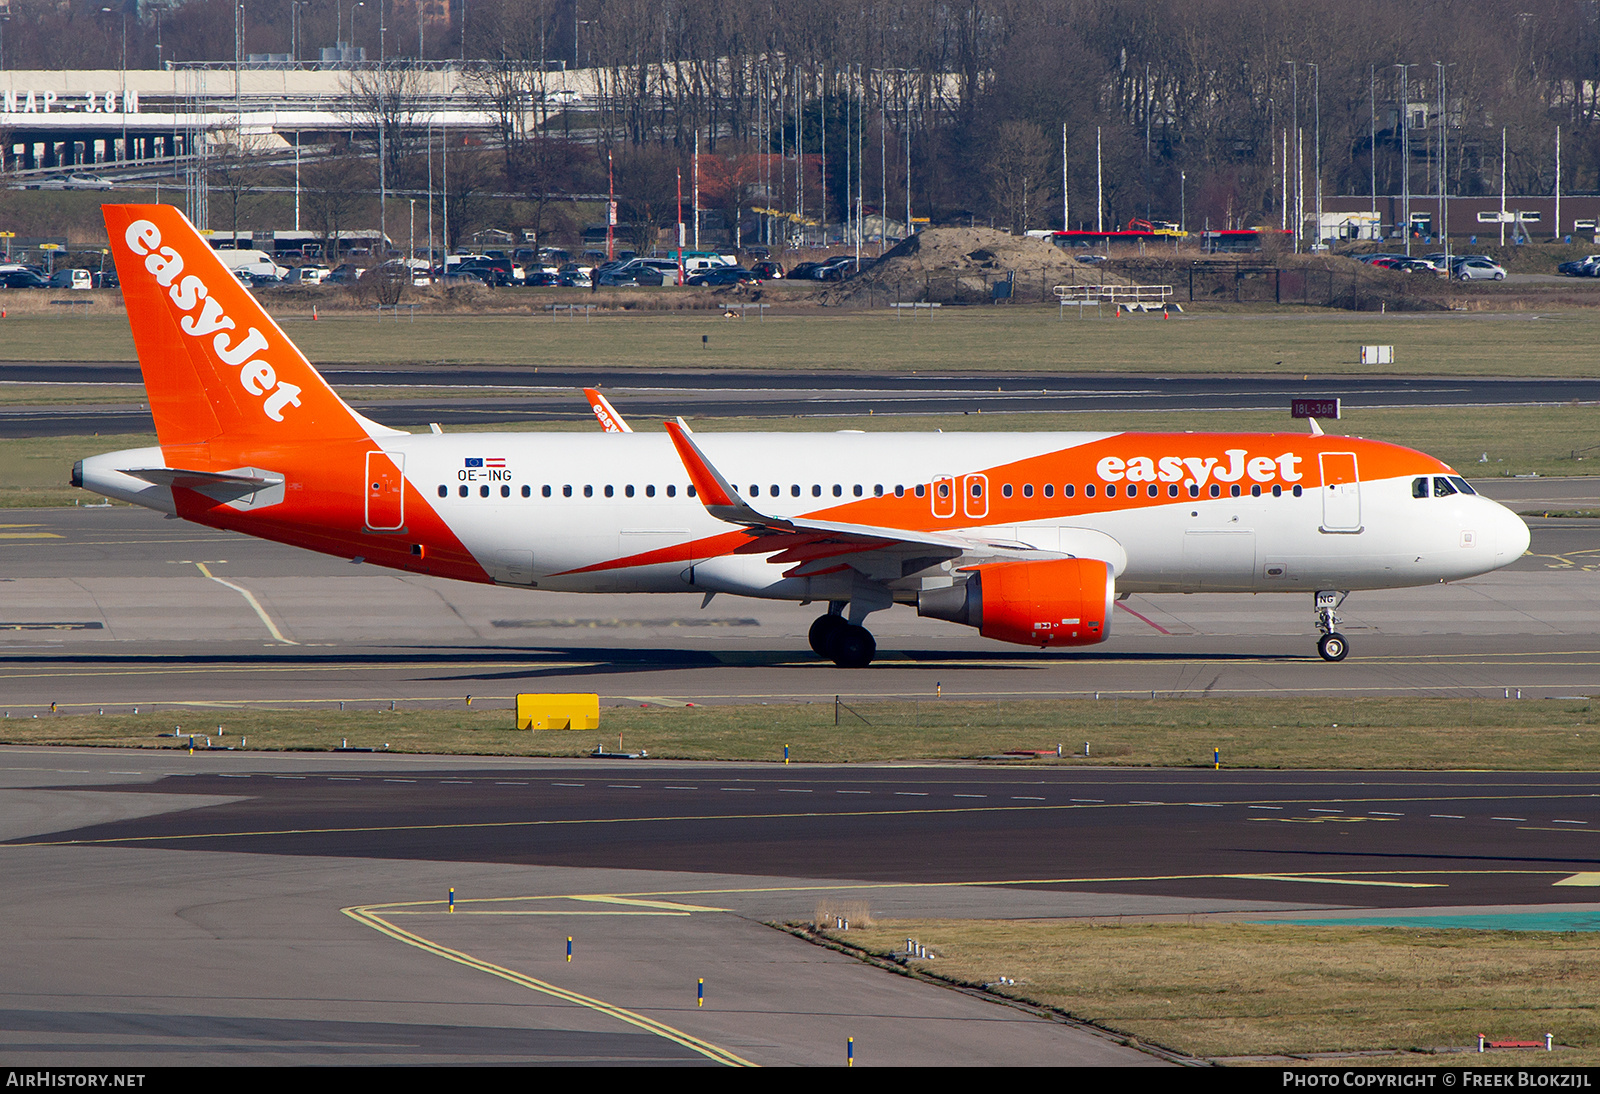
point(77, 181)
point(1478, 269)
point(1588, 266)
point(345, 274)
point(1090, 258)
point(309, 274)
point(722, 275)
point(803, 271)
point(71, 279)
point(630, 275)
point(836, 268)
point(107, 278)
point(768, 270)
point(500, 272)
point(22, 279)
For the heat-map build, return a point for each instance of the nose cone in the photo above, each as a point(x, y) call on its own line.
point(1511, 535)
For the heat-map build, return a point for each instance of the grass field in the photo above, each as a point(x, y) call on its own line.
point(1371, 734)
point(1231, 990)
point(1010, 339)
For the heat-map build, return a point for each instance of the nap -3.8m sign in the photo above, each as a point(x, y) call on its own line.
point(87, 102)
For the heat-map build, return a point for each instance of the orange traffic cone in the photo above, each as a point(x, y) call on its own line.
point(313, 313)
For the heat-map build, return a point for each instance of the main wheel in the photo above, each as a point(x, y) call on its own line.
point(1333, 647)
point(854, 647)
point(825, 633)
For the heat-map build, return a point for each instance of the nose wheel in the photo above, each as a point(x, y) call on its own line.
point(845, 644)
point(1332, 646)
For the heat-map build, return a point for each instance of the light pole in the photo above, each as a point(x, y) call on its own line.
point(576, 23)
point(1405, 150)
point(122, 100)
point(1316, 99)
point(383, 130)
point(358, 4)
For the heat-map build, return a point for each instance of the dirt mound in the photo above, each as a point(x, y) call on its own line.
point(962, 265)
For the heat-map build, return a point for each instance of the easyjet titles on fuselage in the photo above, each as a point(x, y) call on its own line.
point(1262, 469)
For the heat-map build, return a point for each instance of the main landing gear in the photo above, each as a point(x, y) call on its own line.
point(845, 644)
point(1332, 646)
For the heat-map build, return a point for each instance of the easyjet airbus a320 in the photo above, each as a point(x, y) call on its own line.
point(1027, 537)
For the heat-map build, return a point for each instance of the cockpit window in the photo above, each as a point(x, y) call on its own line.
point(1419, 487)
point(1462, 485)
point(1442, 487)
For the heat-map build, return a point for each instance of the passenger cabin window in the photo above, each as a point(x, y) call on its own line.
point(672, 491)
point(463, 491)
point(505, 491)
point(1068, 490)
point(1049, 490)
point(922, 491)
point(566, 491)
point(794, 491)
point(1027, 490)
point(650, 491)
point(444, 491)
point(588, 491)
point(483, 491)
point(608, 490)
point(1005, 491)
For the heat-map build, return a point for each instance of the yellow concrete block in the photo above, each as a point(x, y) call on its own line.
point(558, 711)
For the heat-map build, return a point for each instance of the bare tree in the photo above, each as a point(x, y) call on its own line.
point(389, 100)
point(334, 190)
point(1020, 172)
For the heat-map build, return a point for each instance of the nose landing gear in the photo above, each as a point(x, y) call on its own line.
point(1332, 646)
point(845, 644)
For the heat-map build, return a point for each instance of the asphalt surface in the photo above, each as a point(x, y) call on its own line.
point(110, 606)
point(171, 908)
point(550, 395)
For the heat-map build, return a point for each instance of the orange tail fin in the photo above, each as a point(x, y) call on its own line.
point(215, 364)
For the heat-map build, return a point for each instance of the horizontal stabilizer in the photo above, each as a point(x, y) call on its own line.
point(194, 480)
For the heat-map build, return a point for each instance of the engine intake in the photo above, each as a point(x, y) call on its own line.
point(1058, 602)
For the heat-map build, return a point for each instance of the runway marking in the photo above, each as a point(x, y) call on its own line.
point(1334, 880)
point(1446, 816)
point(566, 822)
point(1322, 820)
point(635, 902)
point(250, 599)
point(28, 535)
point(1588, 879)
point(639, 1021)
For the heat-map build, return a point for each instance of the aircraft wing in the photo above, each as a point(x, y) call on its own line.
point(605, 413)
point(819, 546)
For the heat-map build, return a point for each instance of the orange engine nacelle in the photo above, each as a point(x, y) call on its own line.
point(1059, 602)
